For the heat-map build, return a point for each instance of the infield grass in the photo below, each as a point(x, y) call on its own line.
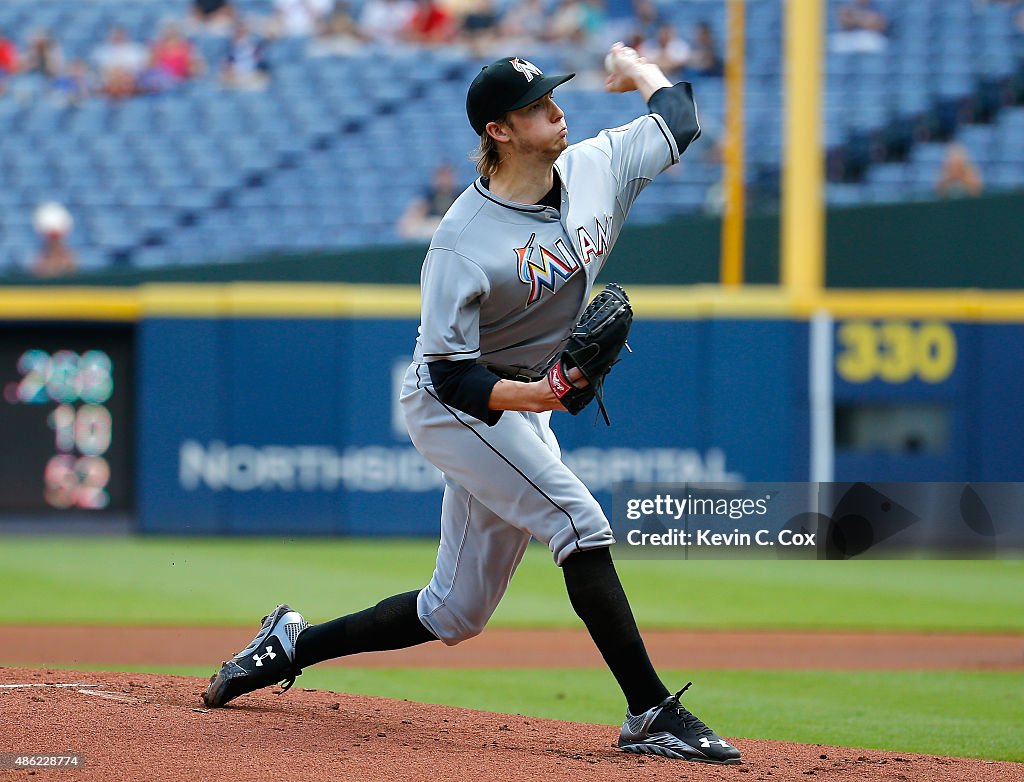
point(203, 581)
point(954, 713)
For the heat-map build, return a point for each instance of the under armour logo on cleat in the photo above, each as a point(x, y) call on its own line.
point(704, 742)
point(259, 658)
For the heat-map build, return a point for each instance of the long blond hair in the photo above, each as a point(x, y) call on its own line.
point(487, 157)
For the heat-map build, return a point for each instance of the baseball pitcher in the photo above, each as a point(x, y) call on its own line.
point(506, 337)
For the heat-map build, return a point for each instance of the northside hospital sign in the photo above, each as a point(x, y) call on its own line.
point(219, 467)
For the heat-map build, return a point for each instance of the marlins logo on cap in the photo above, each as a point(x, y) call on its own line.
point(525, 67)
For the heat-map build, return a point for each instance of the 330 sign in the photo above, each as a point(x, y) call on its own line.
point(895, 351)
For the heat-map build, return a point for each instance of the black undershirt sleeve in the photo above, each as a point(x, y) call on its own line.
point(466, 386)
point(675, 105)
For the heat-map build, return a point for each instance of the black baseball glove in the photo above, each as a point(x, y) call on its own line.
point(593, 348)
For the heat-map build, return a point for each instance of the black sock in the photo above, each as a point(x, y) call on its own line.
point(391, 624)
point(598, 598)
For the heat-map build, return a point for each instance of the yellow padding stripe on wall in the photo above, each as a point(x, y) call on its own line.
point(77, 303)
point(338, 300)
point(280, 300)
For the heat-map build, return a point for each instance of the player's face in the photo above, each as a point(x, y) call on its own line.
point(539, 129)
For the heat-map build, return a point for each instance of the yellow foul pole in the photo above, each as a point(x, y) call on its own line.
point(734, 214)
point(803, 217)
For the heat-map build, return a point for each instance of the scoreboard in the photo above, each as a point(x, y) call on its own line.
point(66, 417)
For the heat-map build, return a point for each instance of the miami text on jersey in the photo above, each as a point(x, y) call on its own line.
point(589, 249)
point(541, 269)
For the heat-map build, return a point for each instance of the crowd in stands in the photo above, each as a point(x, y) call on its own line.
point(125, 66)
point(121, 67)
point(864, 27)
point(215, 40)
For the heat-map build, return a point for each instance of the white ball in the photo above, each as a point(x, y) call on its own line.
point(609, 63)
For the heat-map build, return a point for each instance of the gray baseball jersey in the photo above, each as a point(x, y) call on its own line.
point(503, 283)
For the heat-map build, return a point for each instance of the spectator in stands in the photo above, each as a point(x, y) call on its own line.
point(578, 26)
point(430, 24)
point(595, 19)
point(705, 59)
point(635, 40)
point(174, 59)
point(568, 22)
point(714, 199)
point(53, 223)
point(862, 28)
point(245, 66)
point(8, 60)
point(32, 69)
point(384, 21)
point(669, 51)
point(481, 27)
point(644, 22)
point(213, 17)
point(43, 56)
point(863, 15)
point(74, 85)
point(339, 35)
point(959, 176)
point(120, 62)
point(424, 214)
point(524, 23)
point(301, 18)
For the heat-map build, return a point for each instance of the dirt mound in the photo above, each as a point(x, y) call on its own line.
point(137, 726)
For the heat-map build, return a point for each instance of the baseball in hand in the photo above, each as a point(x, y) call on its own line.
point(618, 56)
point(621, 62)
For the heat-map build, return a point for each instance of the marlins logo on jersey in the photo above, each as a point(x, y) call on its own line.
point(525, 67)
point(541, 268)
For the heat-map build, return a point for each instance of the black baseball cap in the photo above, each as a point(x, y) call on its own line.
point(506, 85)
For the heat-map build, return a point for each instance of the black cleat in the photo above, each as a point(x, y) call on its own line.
point(671, 731)
point(269, 659)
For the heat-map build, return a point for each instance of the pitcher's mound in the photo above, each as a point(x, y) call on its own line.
point(130, 726)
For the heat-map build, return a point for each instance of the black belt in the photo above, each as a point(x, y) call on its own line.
point(519, 374)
